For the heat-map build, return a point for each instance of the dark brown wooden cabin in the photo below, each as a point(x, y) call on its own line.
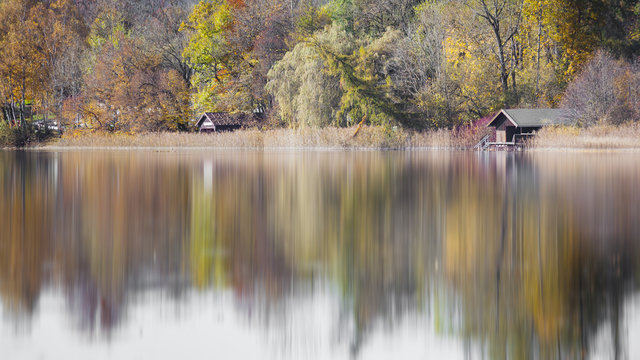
point(516, 125)
point(218, 122)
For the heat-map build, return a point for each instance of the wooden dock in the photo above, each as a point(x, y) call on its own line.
point(519, 143)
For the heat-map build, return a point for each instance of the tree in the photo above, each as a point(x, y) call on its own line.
point(605, 91)
point(20, 58)
point(306, 92)
point(232, 46)
point(130, 84)
point(471, 77)
point(504, 18)
point(424, 70)
point(396, 78)
point(62, 33)
point(373, 17)
point(41, 52)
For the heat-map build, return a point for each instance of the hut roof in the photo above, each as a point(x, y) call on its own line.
point(221, 118)
point(532, 117)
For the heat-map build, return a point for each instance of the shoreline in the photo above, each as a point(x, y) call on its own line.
point(317, 149)
point(331, 138)
point(596, 139)
point(57, 148)
point(189, 148)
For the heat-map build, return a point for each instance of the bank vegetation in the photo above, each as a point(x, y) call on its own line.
point(152, 66)
point(368, 137)
point(600, 137)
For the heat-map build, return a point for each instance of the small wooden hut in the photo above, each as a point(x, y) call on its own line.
point(218, 122)
point(516, 125)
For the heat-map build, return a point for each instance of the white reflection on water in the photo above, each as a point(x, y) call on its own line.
point(209, 325)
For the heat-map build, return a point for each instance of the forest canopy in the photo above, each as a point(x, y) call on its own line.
point(153, 65)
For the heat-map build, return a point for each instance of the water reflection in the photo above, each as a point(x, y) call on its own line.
point(511, 255)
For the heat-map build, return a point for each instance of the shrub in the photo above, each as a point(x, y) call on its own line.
point(22, 136)
point(605, 92)
point(4, 134)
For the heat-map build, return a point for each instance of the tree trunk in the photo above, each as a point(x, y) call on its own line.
point(538, 51)
point(12, 103)
point(23, 100)
point(504, 74)
point(13, 111)
point(45, 109)
point(516, 63)
point(359, 126)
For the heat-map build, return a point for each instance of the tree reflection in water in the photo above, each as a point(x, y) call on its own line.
point(529, 255)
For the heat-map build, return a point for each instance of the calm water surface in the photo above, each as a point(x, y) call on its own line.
point(305, 255)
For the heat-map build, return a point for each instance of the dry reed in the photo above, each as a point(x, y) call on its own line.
point(369, 137)
point(595, 137)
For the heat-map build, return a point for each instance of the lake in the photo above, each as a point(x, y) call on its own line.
point(319, 255)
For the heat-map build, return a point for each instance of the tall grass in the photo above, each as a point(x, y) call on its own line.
point(369, 137)
point(331, 137)
point(595, 137)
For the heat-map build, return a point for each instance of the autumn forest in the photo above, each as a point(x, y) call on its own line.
point(154, 65)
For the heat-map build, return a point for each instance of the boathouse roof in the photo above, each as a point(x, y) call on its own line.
point(531, 117)
point(220, 118)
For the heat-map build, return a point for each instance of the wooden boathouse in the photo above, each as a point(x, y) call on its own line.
point(515, 126)
point(219, 121)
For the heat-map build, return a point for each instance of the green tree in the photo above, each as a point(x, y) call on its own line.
point(305, 92)
point(232, 46)
point(208, 49)
point(365, 71)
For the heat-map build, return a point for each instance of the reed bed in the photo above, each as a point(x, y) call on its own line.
point(596, 137)
point(369, 137)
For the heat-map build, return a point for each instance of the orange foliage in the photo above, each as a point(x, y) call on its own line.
point(236, 4)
